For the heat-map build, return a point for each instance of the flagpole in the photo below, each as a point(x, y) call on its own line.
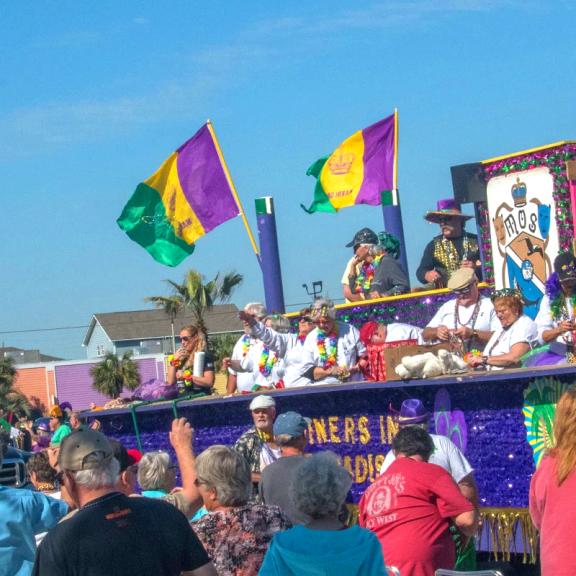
point(395, 171)
point(393, 214)
point(233, 188)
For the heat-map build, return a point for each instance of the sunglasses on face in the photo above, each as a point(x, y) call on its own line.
point(305, 319)
point(185, 338)
point(464, 291)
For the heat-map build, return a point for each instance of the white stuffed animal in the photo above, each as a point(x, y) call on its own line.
point(420, 366)
point(428, 365)
point(452, 363)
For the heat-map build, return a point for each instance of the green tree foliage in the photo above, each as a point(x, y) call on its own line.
point(197, 296)
point(11, 400)
point(221, 346)
point(113, 374)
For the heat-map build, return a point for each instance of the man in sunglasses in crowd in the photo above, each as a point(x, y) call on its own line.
point(469, 318)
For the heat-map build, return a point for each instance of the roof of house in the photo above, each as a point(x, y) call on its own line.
point(155, 323)
point(29, 356)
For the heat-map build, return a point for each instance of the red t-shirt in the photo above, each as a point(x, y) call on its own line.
point(553, 511)
point(408, 508)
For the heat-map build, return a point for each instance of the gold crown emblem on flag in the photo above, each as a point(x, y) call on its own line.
point(519, 192)
point(341, 162)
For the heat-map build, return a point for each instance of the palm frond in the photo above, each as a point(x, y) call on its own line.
point(198, 296)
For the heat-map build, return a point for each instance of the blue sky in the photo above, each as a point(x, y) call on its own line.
point(94, 96)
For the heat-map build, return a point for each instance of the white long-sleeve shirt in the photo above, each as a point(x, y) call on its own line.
point(290, 349)
point(349, 349)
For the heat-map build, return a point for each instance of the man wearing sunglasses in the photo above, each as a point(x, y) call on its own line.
point(469, 317)
point(452, 249)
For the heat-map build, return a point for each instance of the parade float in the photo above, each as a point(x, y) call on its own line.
point(524, 206)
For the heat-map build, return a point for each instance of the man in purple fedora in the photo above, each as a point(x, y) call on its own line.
point(450, 250)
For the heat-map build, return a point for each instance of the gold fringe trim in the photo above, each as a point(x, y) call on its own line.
point(504, 526)
point(500, 528)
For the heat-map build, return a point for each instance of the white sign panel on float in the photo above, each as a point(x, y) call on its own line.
point(523, 232)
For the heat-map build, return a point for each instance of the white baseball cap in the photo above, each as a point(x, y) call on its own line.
point(262, 401)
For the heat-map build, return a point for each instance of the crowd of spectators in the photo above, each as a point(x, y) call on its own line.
point(263, 505)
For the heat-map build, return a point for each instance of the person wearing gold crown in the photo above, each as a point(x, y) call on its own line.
point(333, 352)
point(452, 249)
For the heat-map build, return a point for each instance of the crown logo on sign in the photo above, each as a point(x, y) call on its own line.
point(519, 192)
point(340, 163)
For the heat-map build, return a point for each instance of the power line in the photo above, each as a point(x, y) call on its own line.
point(124, 323)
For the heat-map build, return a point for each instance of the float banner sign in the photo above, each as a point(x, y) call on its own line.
point(486, 417)
point(524, 233)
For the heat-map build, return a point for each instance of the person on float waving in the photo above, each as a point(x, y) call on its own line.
point(287, 346)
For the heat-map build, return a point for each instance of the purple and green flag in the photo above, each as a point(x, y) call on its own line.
point(184, 199)
point(359, 171)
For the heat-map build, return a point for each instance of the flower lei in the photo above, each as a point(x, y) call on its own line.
point(327, 348)
point(301, 338)
point(267, 361)
point(472, 354)
point(173, 361)
point(187, 375)
point(366, 275)
point(245, 344)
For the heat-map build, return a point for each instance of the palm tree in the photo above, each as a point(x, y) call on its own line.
point(198, 297)
point(113, 374)
point(171, 305)
point(11, 400)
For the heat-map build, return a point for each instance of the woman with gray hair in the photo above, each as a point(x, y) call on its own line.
point(324, 545)
point(333, 352)
point(235, 533)
point(156, 474)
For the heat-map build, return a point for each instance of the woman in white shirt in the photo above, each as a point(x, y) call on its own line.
point(517, 335)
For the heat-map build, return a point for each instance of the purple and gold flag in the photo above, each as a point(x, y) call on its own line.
point(359, 171)
point(187, 197)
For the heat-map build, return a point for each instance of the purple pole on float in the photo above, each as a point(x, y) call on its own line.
point(393, 225)
point(270, 258)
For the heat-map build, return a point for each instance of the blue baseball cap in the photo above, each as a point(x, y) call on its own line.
point(290, 424)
